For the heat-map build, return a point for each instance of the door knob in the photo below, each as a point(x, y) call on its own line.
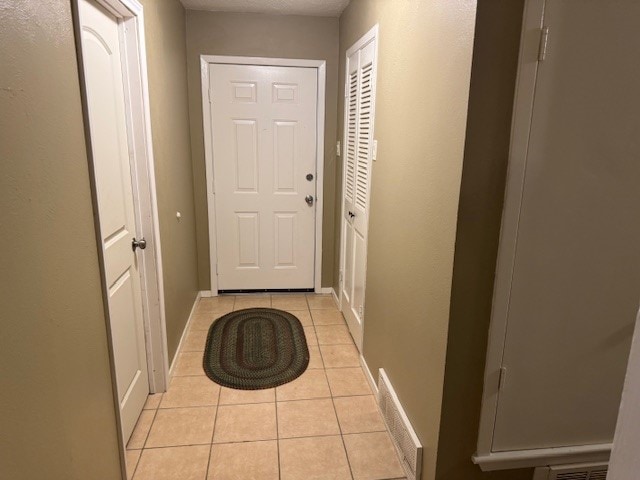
point(309, 199)
point(309, 176)
point(141, 244)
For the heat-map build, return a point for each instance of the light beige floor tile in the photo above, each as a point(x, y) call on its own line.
point(194, 340)
point(244, 461)
point(372, 456)
point(304, 316)
point(203, 321)
point(153, 400)
point(310, 334)
point(195, 391)
point(232, 396)
point(333, 335)
point(252, 301)
point(359, 414)
point(141, 430)
point(182, 426)
point(184, 463)
point(307, 418)
point(188, 363)
point(132, 457)
point(315, 359)
point(335, 356)
point(311, 384)
point(289, 302)
point(313, 458)
point(345, 382)
point(245, 423)
point(321, 302)
point(222, 303)
point(327, 317)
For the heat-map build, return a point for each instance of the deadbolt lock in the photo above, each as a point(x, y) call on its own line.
point(309, 176)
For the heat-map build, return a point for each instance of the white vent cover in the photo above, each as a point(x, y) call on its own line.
point(402, 433)
point(584, 471)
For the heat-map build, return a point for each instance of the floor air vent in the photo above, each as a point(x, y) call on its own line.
point(584, 471)
point(405, 439)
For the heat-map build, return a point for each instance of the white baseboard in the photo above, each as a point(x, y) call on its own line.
point(324, 290)
point(207, 294)
point(336, 298)
point(184, 334)
point(367, 374)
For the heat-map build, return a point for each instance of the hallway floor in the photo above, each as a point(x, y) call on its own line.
point(323, 425)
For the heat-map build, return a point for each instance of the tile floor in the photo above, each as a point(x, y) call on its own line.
point(323, 425)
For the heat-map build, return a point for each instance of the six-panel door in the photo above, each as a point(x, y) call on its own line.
point(264, 167)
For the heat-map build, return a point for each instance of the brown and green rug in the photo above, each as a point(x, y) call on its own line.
point(255, 348)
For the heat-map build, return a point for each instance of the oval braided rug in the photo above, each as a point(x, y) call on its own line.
point(255, 348)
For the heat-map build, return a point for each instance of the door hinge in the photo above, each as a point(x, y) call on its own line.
point(544, 40)
point(502, 377)
point(361, 311)
point(341, 277)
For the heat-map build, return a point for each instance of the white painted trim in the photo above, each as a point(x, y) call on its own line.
point(523, 109)
point(207, 294)
point(184, 333)
point(320, 65)
point(543, 456)
point(336, 298)
point(369, 376)
point(325, 291)
point(371, 36)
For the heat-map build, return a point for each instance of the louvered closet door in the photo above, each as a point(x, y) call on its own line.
point(359, 105)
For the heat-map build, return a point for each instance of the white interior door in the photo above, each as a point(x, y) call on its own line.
point(264, 168)
point(359, 110)
point(113, 174)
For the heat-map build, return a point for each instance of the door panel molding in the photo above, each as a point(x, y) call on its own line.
point(246, 93)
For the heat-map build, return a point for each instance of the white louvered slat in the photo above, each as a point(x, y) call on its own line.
point(351, 136)
point(364, 137)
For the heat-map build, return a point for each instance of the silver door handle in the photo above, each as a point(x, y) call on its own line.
point(309, 199)
point(141, 244)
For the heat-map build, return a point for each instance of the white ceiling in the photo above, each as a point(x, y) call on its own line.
point(323, 8)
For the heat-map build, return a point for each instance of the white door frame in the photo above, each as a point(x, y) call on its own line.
point(138, 118)
point(320, 65)
point(371, 35)
point(528, 63)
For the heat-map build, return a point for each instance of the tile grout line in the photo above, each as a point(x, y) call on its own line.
point(213, 430)
point(335, 412)
point(275, 393)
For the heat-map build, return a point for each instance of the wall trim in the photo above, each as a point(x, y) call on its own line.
point(369, 376)
point(543, 457)
point(336, 298)
point(199, 295)
point(321, 66)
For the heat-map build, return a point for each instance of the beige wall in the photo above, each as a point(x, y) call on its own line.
point(493, 78)
point(56, 403)
point(167, 68)
point(215, 33)
point(422, 91)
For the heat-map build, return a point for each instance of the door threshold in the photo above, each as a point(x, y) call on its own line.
point(266, 290)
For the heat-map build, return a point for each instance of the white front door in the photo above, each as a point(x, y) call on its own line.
point(264, 168)
point(358, 140)
point(113, 175)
